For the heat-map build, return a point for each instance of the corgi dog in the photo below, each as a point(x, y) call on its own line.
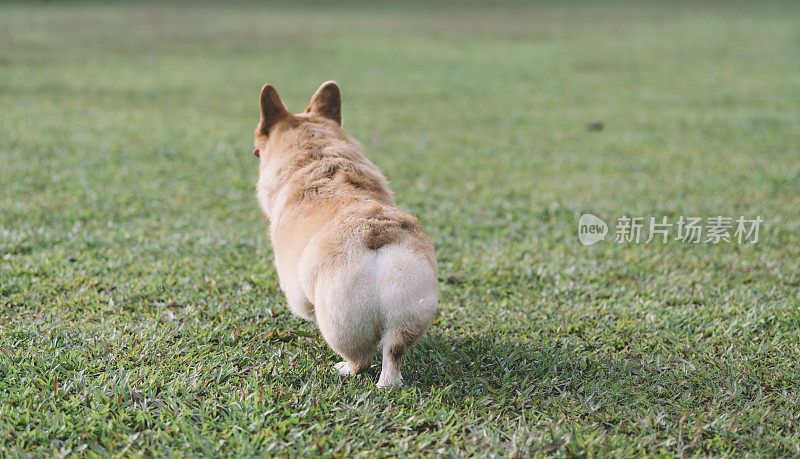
point(345, 255)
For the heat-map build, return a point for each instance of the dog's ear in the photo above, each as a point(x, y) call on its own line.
point(272, 109)
point(327, 102)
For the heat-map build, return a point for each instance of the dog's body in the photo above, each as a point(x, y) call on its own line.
point(345, 255)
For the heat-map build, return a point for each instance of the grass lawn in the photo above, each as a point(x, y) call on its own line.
point(140, 312)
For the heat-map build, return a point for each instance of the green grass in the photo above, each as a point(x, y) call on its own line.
point(141, 312)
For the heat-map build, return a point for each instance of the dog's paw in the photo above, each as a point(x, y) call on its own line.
point(390, 383)
point(343, 368)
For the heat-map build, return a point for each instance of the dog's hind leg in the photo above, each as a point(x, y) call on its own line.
point(344, 334)
point(395, 343)
point(353, 367)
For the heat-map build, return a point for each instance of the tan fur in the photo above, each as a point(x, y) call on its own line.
point(346, 256)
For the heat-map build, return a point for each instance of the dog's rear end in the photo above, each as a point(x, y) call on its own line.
point(372, 276)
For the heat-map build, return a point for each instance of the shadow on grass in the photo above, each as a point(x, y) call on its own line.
point(484, 366)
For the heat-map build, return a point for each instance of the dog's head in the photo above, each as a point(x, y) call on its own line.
point(324, 110)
